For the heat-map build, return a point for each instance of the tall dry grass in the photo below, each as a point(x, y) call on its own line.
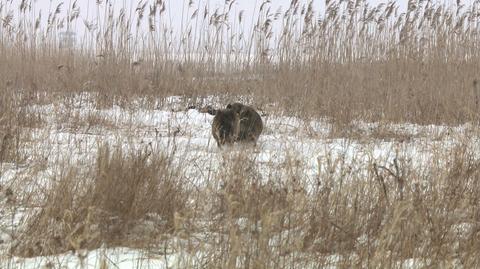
point(130, 197)
point(353, 60)
point(385, 215)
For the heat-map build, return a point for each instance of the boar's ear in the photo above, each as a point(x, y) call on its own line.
point(229, 106)
point(212, 111)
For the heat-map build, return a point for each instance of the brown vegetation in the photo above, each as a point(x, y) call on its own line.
point(121, 194)
point(355, 62)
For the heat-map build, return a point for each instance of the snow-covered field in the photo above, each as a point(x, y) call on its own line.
point(72, 133)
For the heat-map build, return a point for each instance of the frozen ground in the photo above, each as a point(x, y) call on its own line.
point(111, 258)
point(71, 133)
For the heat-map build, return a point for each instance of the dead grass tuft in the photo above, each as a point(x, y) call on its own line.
point(104, 205)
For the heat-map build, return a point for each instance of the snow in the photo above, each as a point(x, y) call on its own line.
point(73, 133)
point(122, 258)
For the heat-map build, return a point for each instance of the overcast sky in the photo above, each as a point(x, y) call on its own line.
point(174, 8)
